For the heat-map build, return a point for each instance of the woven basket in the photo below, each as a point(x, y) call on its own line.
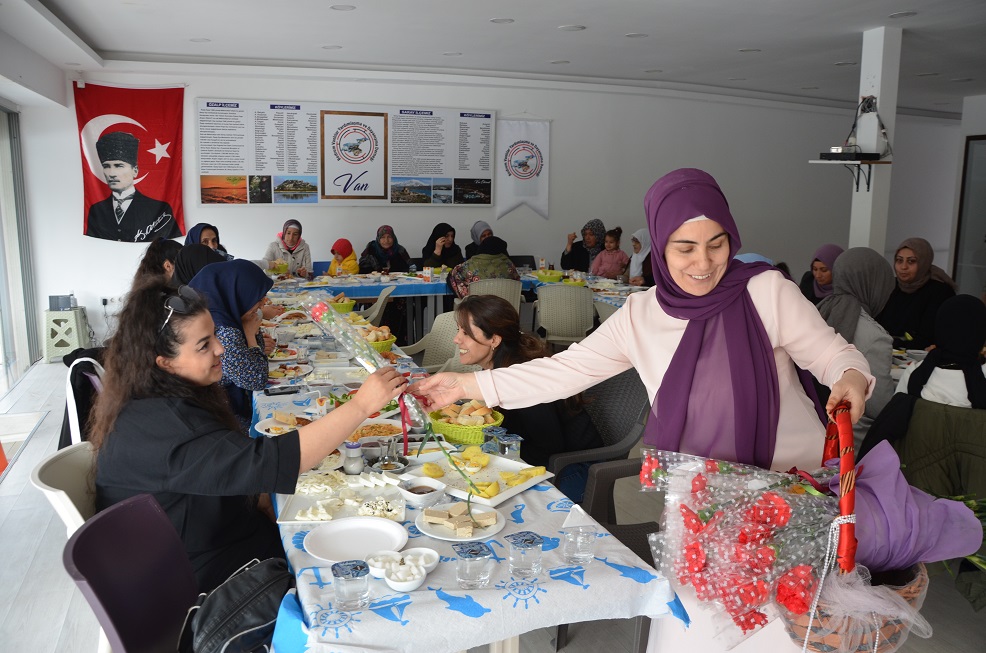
point(384, 345)
point(822, 638)
point(460, 434)
point(343, 307)
point(549, 276)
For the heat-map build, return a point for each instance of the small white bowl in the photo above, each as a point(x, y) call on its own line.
point(404, 585)
point(428, 557)
point(378, 557)
point(422, 500)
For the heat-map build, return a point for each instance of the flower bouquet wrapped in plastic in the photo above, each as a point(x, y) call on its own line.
point(754, 544)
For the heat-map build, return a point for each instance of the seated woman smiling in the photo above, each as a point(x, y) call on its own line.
point(162, 426)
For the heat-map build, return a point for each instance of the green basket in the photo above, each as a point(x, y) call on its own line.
point(459, 433)
point(384, 345)
point(343, 307)
point(549, 276)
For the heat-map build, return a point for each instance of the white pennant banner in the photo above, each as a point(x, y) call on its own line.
point(522, 165)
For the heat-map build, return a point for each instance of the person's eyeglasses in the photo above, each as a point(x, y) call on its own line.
point(179, 304)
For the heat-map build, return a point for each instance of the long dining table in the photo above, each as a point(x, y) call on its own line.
point(439, 617)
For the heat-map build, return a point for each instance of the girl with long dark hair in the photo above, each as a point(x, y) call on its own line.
point(162, 425)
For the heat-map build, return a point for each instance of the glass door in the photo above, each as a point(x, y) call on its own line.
point(969, 268)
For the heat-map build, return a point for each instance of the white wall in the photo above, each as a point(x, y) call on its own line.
point(608, 145)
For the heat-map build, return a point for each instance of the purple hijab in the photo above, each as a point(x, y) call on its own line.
point(827, 255)
point(725, 360)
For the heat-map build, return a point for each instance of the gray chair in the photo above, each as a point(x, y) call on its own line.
point(508, 289)
point(565, 312)
point(600, 504)
point(131, 566)
point(436, 345)
point(65, 478)
point(374, 314)
point(618, 407)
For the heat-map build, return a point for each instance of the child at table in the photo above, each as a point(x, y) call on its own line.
point(612, 261)
point(343, 259)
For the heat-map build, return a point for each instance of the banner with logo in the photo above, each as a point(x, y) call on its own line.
point(131, 144)
point(522, 165)
point(354, 155)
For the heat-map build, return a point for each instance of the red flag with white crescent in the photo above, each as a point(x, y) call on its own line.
point(131, 143)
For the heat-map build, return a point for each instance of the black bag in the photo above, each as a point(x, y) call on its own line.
point(239, 615)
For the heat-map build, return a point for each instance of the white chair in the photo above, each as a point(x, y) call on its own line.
point(73, 412)
point(65, 478)
point(508, 289)
point(565, 312)
point(374, 314)
point(437, 344)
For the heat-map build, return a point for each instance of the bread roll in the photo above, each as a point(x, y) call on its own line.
point(482, 411)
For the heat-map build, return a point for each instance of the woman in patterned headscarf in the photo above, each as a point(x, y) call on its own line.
point(578, 255)
point(291, 248)
point(909, 315)
point(384, 253)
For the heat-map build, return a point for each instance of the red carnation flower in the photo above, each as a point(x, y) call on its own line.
point(694, 557)
point(796, 588)
point(699, 483)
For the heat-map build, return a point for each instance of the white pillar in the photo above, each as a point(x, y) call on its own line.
point(878, 76)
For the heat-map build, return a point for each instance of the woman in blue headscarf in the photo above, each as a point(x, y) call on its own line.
point(208, 235)
point(235, 291)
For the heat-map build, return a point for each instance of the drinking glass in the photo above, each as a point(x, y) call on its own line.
point(351, 582)
point(475, 565)
point(525, 554)
point(578, 544)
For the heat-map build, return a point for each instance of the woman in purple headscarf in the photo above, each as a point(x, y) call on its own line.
point(727, 333)
point(816, 283)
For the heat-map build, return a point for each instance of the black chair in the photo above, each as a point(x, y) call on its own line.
point(618, 408)
point(600, 504)
point(131, 566)
point(418, 263)
point(524, 259)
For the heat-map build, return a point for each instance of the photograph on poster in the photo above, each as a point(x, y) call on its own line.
point(410, 190)
point(472, 191)
point(295, 189)
point(260, 192)
point(223, 189)
point(441, 190)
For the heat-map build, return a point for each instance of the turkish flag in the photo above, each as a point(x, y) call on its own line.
point(131, 142)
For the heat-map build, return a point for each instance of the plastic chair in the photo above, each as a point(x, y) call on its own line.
point(437, 344)
point(65, 478)
point(78, 367)
point(374, 314)
point(320, 268)
point(131, 566)
point(508, 289)
point(599, 503)
point(618, 407)
point(565, 312)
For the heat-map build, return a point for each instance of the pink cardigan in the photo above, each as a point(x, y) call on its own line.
point(643, 336)
point(610, 264)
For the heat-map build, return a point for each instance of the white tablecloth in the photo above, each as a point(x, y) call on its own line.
point(440, 617)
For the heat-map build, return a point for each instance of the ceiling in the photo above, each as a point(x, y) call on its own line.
point(681, 44)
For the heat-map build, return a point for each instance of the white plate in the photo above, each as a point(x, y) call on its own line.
point(270, 425)
point(382, 420)
point(344, 375)
point(354, 538)
point(303, 371)
point(289, 355)
point(427, 456)
point(439, 532)
point(457, 485)
point(917, 354)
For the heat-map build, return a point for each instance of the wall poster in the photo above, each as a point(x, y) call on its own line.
point(262, 152)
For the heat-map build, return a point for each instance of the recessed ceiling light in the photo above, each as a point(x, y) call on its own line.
point(737, 79)
point(200, 40)
point(927, 74)
point(962, 79)
point(653, 70)
point(903, 14)
point(571, 28)
point(747, 50)
point(558, 61)
point(941, 104)
point(342, 7)
point(451, 54)
point(809, 88)
point(635, 35)
point(502, 21)
point(846, 63)
point(332, 47)
point(68, 63)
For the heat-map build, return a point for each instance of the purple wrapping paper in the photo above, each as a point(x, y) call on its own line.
point(898, 525)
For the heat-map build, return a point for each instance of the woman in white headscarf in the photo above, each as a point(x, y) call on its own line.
point(641, 273)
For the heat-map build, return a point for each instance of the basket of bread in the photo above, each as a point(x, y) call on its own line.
point(342, 303)
point(279, 266)
point(464, 423)
point(380, 338)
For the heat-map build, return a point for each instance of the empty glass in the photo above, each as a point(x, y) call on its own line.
point(475, 564)
point(578, 544)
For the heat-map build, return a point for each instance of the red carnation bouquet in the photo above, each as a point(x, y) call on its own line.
point(742, 537)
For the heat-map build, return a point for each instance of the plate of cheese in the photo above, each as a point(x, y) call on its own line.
point(453, 523)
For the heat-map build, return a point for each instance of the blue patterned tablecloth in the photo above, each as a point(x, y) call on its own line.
point(363, 288)
point(441, 617)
